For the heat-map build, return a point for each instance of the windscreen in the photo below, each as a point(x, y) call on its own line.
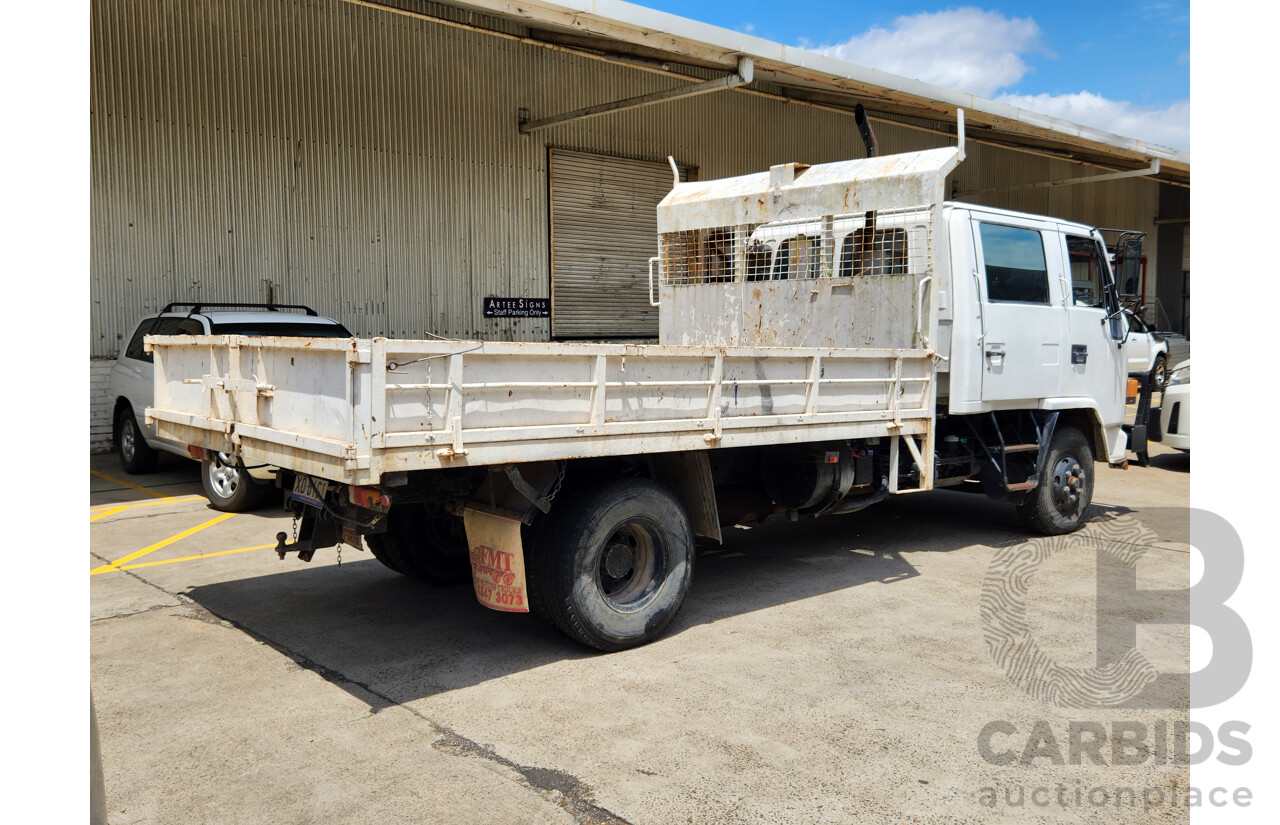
point(284, 330)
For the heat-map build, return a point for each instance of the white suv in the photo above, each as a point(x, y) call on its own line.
point(1146, 350)
point(132, 389)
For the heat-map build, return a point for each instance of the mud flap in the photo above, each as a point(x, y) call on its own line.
point(497, 560)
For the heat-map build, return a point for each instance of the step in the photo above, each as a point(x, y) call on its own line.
point(1021, 448)
point(1020, 485)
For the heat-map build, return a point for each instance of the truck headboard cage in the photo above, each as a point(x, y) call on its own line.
point(887, 242)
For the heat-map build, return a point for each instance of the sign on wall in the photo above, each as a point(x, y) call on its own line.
point(517, 307)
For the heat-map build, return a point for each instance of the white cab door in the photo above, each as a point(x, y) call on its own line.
point(1023, 317)
point(1099, 361)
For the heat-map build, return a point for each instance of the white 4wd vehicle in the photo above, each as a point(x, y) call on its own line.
point(1175, 409)
point(132, 389)
point(1146, 350)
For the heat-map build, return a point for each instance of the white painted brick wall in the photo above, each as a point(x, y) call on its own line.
point(100, 406)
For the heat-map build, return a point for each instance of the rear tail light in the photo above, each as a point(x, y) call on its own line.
point(371, 498)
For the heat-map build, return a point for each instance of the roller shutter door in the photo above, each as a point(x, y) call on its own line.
point(603, 232)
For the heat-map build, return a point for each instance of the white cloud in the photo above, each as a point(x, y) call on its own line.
point(967, 49)
point(980, 52)
point(1164, 126)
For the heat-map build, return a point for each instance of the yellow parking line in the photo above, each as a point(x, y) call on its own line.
point(115, 565)
point(131, 486)
point(107, 509)
point(104, 513)
point(201, 556)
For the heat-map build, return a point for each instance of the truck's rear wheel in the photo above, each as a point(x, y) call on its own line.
point(424, 545)
point(378, 547)
point(611, 566)
point(1060, 502)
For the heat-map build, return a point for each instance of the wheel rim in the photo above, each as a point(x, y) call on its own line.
point(632, 565)
point(1069, 485)
point(224, 477)
point(128, 443)
point(1161, 370)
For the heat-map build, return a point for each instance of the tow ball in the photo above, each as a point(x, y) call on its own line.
point(282, 547)
point(313, 534)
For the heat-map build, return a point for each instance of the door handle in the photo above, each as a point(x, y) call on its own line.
point(1079, 353)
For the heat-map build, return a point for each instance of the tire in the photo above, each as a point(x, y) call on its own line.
point(1051, 509)
point(228, 486)
point(136, 456)
point(377, 546)
point(612, 565)
point(1160, 373)
point(424, 545)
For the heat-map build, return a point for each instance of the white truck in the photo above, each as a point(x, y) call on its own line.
point(830, 336)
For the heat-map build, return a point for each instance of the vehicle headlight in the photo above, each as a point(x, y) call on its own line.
point(1182, 376)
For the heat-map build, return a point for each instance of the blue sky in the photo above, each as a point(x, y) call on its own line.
point(1120, 66)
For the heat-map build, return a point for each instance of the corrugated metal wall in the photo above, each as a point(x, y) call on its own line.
point(369, 164)
point(1119, 204)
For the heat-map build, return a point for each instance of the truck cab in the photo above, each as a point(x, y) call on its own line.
point(1031, 321)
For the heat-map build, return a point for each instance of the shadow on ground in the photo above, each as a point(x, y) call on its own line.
point(389, 640)
point(1176, 462)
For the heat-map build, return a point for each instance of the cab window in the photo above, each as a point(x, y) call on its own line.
point(1015, 264)
point(1088, 271)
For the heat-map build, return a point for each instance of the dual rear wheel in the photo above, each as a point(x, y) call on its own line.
point(423, 543)
point(608, 566)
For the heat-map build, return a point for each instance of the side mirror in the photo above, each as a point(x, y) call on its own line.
point(1117, 324)
point(1130, 255)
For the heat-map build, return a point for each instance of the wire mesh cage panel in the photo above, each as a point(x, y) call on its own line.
point(887, 242)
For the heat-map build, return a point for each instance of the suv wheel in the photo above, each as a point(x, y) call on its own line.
point(227, 484)
point(1160, 373)
point(136, 456)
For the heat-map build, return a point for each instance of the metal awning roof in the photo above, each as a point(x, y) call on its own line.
point(664, 43)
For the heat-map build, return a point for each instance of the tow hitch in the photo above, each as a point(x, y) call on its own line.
point(313, 534)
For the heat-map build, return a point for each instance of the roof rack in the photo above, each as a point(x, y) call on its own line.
point(200, 307)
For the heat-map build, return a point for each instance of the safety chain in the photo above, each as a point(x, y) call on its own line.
point(339, 552)
point(295, 528)
point(549, 497)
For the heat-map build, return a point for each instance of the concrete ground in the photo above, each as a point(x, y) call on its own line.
point(834, 670)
